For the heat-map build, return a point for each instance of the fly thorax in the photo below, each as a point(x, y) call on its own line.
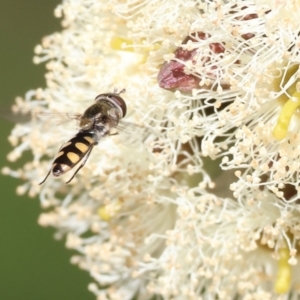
point(92, 115)
point(85, 123)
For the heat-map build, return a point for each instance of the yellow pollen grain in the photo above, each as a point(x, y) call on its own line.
point(73, 157)
point(281, 128)
point(89, 139)
point(119, 43)
point(284, 272)
point(106, 212)
point(124, 44)
point(82, 147)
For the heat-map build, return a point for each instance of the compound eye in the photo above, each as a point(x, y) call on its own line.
point(114, 98)
point(120, 102)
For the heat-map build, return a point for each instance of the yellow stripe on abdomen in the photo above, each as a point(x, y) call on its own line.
point(65, 145)
point(89, 139)
point(59, 154)
point(82, 147)
point(73, 157)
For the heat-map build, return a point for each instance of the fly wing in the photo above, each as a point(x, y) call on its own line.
point(55, 118)
point(18, 117)
point(134, 135)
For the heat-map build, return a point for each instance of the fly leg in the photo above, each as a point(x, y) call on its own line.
point(46, 177)
point(82, 164)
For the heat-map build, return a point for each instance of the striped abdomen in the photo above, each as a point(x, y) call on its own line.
point(72, 152)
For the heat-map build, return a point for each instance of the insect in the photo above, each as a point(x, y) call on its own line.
point(95, 123)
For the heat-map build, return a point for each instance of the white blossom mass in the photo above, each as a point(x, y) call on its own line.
point(202, 201)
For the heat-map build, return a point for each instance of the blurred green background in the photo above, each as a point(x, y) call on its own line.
point(32, 264)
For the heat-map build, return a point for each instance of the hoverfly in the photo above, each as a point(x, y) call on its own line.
point(95, 123)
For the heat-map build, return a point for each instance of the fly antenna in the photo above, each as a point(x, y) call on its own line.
point(122, 91)
point(118, 93)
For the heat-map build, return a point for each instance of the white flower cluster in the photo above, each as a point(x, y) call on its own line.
point(206, 205)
